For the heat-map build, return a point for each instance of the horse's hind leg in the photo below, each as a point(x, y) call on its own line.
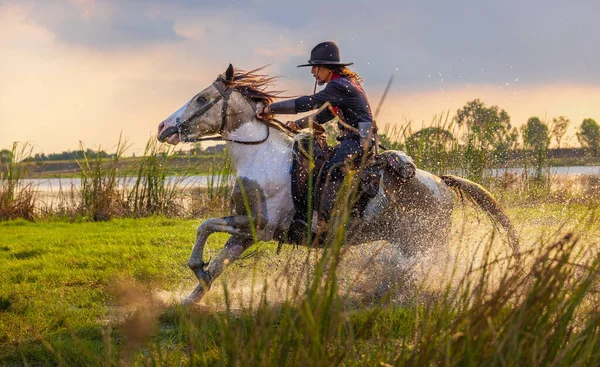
point(233, 249)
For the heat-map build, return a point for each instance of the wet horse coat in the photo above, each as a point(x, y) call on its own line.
point(413, 214)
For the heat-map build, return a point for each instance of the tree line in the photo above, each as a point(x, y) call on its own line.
point(69, 155)
point(482, 129)
point(480, 137)
point(490, 129)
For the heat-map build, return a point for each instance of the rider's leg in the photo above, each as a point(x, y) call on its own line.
point(300, 170)
point(347, 152)
point(299, 227)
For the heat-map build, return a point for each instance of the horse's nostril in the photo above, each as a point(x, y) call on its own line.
point(161, 126)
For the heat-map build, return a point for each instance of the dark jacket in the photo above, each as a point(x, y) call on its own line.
point(347, 98)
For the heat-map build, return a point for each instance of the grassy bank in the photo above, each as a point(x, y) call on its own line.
point(109, 186)
point(104, 293)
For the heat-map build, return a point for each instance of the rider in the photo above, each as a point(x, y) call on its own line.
point(348, 102)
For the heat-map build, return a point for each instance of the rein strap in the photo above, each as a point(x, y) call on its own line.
point(224, 95)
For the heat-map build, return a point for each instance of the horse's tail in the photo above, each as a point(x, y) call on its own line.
point(484, 199)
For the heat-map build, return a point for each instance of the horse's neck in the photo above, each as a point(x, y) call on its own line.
point(270, 160)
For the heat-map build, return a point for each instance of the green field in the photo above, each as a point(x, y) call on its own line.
point(57, 277)
point(108, 293)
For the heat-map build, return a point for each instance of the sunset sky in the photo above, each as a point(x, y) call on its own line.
point(85, 70)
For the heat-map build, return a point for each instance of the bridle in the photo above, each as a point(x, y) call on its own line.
point(181, 125)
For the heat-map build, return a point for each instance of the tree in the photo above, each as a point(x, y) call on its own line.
point(504, 146)
point(589, 136)
point(430, 137)
point(536, 137)
point(431, 148)
point(559, 128)
point(388, 143)
point(535, 134)
point(5, 156)
point(489, 125)
point(488, 133)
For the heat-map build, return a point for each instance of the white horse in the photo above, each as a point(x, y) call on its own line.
point(413, 214)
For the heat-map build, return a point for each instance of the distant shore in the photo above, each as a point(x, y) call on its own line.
point(209, 164)
point(194, 165)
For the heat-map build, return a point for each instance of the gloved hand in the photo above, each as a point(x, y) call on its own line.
point(262, 113)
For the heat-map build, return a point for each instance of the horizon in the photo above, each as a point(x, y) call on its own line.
point(85, 70)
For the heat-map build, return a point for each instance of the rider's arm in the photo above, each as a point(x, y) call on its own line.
point(332, 93)
point(315, 117)
point(290, 107)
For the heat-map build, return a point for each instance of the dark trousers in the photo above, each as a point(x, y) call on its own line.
point(348, 152)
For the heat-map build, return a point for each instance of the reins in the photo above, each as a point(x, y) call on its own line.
point(224, 95)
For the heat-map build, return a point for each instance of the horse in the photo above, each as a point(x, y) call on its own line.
point(417, 213)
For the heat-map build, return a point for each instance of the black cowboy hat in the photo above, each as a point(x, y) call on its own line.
point(325, 53)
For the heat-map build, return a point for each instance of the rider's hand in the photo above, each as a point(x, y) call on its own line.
point(293, 125)
point(263, 112)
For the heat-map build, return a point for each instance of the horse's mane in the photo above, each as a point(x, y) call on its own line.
point(254, 85)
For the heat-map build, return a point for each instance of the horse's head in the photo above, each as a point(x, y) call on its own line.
point(222, 107)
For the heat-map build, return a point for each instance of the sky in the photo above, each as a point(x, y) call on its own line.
point(87, 71)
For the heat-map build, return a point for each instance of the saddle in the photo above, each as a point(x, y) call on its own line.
point(311, 152)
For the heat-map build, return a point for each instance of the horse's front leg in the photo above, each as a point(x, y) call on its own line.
point(239, 227)
point(233, 249)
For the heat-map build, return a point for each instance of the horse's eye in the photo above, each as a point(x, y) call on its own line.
point(201, 100)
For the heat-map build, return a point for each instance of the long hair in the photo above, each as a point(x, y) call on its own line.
point(344, 71)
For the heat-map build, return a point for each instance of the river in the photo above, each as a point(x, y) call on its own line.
point(56, 184)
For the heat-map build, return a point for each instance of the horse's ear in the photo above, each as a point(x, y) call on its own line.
point(229, 73)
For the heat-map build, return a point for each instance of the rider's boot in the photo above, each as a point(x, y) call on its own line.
point(298, 231)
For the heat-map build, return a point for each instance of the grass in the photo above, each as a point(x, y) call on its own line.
point(143, 187)
point(57, 277)
point(86, 293)
point(154, 192)
point(83, 293)
point(100, 184)
point(17, 200)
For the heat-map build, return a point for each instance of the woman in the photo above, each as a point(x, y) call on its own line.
point(348, 102)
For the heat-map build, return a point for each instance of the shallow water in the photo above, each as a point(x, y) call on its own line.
point(368, 273)
point(57, 184)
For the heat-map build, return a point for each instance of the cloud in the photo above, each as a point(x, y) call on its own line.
point(458, 42)
point(102, 25)
point(95, 67)
point(461, 42)
point(284, 47)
